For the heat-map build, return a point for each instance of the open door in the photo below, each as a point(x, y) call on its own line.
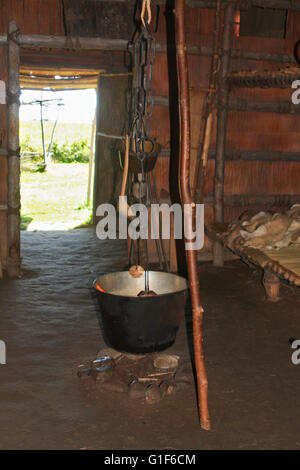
point(113, 100)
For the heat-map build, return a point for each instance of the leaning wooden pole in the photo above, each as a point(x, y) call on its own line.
point(13, 160)
point(200, 174)
point(187, 199)
point(222, 99)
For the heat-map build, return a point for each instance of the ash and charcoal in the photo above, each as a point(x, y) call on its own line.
point(147, 378)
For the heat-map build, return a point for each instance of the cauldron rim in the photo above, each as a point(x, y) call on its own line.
point(135, 297)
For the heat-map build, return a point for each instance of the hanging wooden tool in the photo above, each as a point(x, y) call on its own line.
point(186, 198)
point(197, 105)
point(200, 174)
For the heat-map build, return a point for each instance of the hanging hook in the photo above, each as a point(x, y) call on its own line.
point(146, 5)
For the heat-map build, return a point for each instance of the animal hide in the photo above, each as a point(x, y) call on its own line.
point(265, 230)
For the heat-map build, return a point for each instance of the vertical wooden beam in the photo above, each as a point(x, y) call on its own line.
point(3, 158)
point(172, 249)
point(91, 160)
point(111, 120)
point(13, 164)
point(271, 284)
point(218, 255)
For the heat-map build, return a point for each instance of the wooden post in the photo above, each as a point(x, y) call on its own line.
point(172, 249)
point(202, 385)
point(112, 117)
point(218, 254)
point(271, 284)
point(281, 4)
point(91, 160)
point(42, 132)
point(104, 44)
point(13, 165)
point(3, 157)
point(280, 107)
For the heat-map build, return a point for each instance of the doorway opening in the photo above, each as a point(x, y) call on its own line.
point(57, 133)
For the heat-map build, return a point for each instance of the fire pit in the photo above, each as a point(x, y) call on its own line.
point(146, 379)
point(144, 324)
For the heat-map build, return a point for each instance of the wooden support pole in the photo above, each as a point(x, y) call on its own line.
point(258, 155)
point(251, 155)
point(3, 157)
point(13, 160)
point(264, 56)
point(91, 160)
point(243, 200)
point(265, 155)
point(222, 102)
point(186, 198)
point(172, 249)
point(280, 107)
point(278, 4)
point(281, 4)
point(41, 41)
point(43, 133)
point(242, 104)
point(68, 42)
point(271, 284)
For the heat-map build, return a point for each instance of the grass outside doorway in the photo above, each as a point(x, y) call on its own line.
point(56, 199)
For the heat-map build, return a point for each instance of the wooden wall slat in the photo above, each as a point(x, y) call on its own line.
point(255, 177)
point(31, 17)
point(13, 9)
point(44, 19)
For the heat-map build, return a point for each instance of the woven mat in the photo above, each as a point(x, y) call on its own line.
point(288, 258)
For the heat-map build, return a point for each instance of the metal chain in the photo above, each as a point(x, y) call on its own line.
point(143, 50)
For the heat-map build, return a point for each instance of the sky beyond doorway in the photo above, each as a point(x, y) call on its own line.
point(79, 105)
point(56, 199)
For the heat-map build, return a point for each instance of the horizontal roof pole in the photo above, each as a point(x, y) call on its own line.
point(279, 4)
point(245, 4)
point(67, 42)
point(104, 44)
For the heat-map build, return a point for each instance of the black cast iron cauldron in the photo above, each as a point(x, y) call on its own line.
point(141, 324)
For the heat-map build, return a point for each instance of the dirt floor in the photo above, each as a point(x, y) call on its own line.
point(49, 323)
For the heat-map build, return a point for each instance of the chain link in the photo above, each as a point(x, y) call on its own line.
point(143, 50)
point(143, 58)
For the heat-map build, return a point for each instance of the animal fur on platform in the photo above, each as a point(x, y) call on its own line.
point(265, 230)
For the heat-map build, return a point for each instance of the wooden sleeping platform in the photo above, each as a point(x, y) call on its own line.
point(276, 264)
